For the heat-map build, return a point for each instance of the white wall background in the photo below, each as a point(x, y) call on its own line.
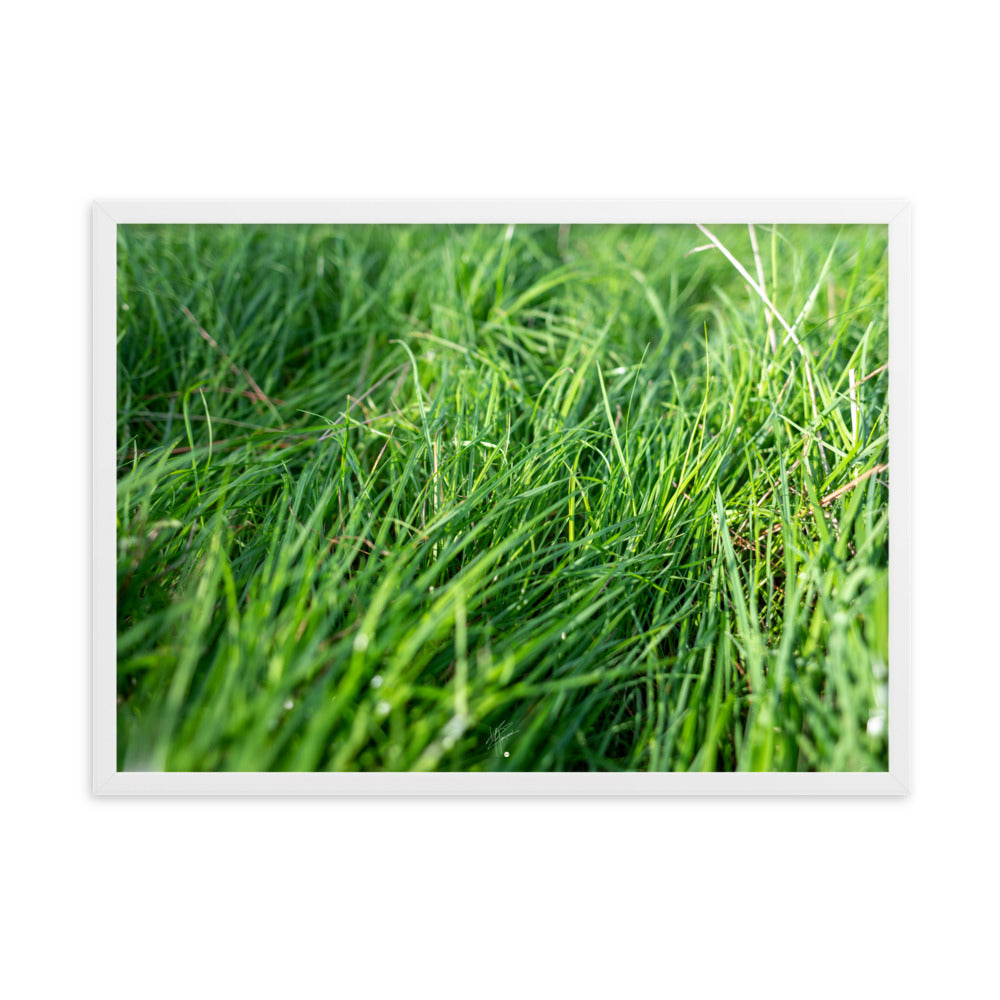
point(494, 898)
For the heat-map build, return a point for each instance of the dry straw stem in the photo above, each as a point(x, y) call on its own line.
point(830, 497)
point(236, 369)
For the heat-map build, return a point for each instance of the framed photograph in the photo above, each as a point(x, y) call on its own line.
point(522, 498)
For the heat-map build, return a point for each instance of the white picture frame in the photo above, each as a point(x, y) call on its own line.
point(895, 213)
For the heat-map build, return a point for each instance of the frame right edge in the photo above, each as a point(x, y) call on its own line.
point(900, 495)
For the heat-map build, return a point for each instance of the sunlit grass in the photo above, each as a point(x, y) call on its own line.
point(502, 497)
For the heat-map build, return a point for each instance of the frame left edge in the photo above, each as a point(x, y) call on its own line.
point(105, 232)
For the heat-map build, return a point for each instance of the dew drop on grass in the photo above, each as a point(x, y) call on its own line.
point(876, 723)
point(289, 705)
point(382, 708)
point(564, 635)
point(377, 681)
point(361, 642)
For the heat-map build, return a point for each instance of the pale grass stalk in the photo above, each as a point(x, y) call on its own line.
point(435, 487)
point(812, 296)
point(757, 288)
point(854, 406)
point(461, 657)
point(789, 329)
point(563, 240)
point(771, 339)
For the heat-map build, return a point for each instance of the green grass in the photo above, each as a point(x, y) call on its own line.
point(414, 497)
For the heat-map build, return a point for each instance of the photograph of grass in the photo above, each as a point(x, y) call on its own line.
point(502, 498)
